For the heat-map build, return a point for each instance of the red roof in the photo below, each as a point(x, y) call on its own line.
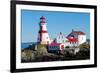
point(73, 40)
point(72, 36)
point(73, 33)
point(78, 32)
point(54, 44)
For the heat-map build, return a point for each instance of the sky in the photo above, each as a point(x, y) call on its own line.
point(56, 22)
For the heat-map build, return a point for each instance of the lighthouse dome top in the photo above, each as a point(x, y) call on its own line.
point(42, 17)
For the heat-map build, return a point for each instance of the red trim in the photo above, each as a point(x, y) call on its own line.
point(73, 40)
point(42, 22)
point(43, 31)
point(40, 33)
point(40, 37)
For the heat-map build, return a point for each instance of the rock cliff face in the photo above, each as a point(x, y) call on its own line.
point(30, 54)
point(27, 55)
point(41, 54)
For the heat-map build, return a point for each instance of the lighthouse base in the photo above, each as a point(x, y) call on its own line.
point(44, 42)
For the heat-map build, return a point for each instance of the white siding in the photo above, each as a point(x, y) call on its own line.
point(61, 39)
point(44, 27)
point(81, 39)
point(45, 38)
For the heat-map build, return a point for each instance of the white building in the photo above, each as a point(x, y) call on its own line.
point(61, 38)
point(81, 38)
point(76, 38)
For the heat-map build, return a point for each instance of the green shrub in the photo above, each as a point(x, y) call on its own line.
point(67, 47)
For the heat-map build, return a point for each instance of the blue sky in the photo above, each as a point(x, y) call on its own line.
point(56, 22)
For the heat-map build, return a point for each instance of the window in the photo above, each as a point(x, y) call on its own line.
point(62, 37)
point(59, 37)
point(63, 41)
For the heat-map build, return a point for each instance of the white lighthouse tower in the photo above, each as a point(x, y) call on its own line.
point(43, 33)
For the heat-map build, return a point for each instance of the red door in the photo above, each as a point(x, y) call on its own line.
point(62, 46)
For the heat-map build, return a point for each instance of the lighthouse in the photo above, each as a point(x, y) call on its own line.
point(43, 33)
